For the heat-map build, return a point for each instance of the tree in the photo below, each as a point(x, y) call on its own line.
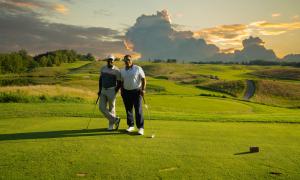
point(43, 61)
point(56, 61)
point(89, 57)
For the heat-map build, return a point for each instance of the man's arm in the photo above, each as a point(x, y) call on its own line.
point(100, 85)
point(122, 88)
point(119, 81)
point(119, 84)
point(143, 88)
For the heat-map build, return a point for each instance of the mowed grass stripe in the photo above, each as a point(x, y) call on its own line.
point(166, 107)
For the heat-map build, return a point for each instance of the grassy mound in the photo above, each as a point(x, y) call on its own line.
point(233, 88)
point(286, 94)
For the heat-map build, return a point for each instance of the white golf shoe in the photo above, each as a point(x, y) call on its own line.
point(141, 131)
point(110, 127)
point(130, 129)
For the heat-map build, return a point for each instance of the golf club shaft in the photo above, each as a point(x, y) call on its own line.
point(144, 100)
point(149, 118)
point(97, 99)
point(87, 127)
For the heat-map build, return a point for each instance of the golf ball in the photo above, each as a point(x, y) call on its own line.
point(152, 136)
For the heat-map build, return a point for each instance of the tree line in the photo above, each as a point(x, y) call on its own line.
point(21, 61)
point(254, 62)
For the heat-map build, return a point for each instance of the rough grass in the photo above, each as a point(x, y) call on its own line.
point(40, 91)
point(186, 72)
point(278, 93)
point(282, 73)
point(19, 97)
point(233, 88)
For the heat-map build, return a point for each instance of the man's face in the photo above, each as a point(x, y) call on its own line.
point(110, 62)
point(128, 62)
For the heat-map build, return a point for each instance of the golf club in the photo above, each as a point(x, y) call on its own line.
point(87, 127)
point(147, 107)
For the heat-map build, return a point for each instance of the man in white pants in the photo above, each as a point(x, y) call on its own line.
point(109, 85)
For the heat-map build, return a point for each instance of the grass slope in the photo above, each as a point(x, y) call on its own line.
point(286, 94)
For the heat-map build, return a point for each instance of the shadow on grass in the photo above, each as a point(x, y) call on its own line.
point(242, 153)
point(59, 134)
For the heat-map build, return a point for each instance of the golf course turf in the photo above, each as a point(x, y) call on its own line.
point(199, 133)
point(58, 148)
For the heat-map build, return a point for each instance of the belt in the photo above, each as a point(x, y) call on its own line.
point(109, 88)
point(132, 90)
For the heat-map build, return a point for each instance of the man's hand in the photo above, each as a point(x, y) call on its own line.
point(142, 92)
point(116, 90)
point(122, 92)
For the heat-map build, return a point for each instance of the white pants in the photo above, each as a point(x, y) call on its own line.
point(108, 97)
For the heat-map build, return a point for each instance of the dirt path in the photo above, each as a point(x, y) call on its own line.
point(250, 89)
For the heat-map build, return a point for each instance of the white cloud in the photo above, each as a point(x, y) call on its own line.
point(154, 37)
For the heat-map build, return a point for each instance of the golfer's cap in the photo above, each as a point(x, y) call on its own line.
point(111, 57)
point(127, 58)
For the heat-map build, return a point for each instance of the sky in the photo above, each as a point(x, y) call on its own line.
point(101, 25)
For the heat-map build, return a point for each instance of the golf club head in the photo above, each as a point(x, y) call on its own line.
point(146, 106)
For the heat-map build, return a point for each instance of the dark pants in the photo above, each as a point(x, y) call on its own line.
point(132, 98)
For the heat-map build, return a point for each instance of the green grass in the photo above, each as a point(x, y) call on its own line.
point(199, 133)
point(58, 148)
point(166, 107)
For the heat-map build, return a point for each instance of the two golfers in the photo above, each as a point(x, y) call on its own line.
point(131, 79)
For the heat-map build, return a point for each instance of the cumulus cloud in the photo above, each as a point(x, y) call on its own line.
point(22, 28)
point(252, 41)
point(253, 49)
point(154, 37)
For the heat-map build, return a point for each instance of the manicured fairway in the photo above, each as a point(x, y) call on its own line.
point(58, 148)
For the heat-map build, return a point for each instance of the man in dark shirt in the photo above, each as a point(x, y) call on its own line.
point(109, 85)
